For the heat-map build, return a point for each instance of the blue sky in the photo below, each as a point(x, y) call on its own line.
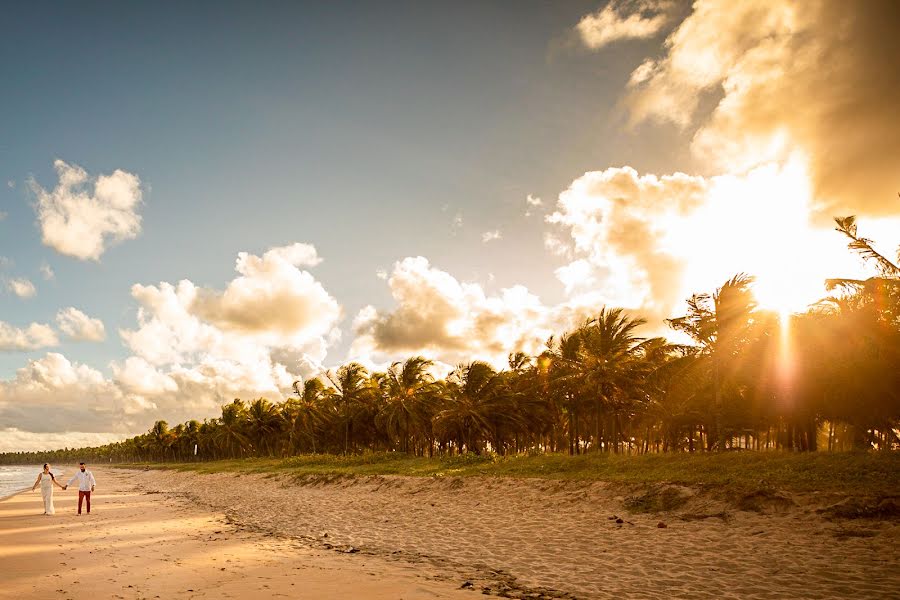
point(378, 133)
point(362, 131)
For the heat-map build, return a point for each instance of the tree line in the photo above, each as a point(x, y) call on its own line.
point(827, 379)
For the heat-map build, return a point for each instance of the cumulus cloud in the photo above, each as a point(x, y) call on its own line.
point(52, 394)
point(47, 272)
point(817, 77)
point(456, 224)
point(272, 295)
point(193, 349)
point(270, 324)
point(13, 439)
point(21, 287)
point(79, 326)
point(82, 215)
point(451, 321)
point(33, 337)
point(490, 236)
point(617, 220)
point(623, 20)
point(532, 202)
point(645, 242)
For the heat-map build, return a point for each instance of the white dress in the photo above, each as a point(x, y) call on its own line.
point(47, 493)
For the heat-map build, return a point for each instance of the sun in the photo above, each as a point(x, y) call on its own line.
point(786, 292)
point(760, 223)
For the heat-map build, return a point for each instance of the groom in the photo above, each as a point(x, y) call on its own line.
point(86, 483)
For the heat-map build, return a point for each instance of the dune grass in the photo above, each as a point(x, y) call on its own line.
point(851, 473)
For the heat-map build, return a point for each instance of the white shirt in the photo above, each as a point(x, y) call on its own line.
point(85, 480)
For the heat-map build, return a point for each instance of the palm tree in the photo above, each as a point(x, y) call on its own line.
point(352, 388)
point(263, 425)
point(479, 406)
point(558, 370)
point(160, 438)
point(409, 393)
point(721, 326)
point(230, 435)
point(609, 364)
point(303, 414)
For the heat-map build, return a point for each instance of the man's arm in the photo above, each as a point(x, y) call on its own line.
point(73, 480)
point(93, 481)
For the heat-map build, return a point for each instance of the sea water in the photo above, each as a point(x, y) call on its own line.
point(15, 478)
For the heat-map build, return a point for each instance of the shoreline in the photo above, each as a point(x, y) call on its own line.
point(16, 493)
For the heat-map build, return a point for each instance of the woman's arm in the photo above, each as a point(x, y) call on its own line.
point(61, 486)
point(36, 481)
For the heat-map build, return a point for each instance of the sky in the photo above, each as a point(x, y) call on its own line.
point(208, 201)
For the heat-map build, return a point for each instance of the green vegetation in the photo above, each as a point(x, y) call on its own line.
point(828, 378)
point(849, 472)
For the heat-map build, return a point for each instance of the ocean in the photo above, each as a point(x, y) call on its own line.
point(15, 478)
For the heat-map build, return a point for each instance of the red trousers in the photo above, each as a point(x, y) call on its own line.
point(84, 496)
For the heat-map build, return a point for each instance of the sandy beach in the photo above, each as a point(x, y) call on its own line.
point(141, 546)
point(172, 535)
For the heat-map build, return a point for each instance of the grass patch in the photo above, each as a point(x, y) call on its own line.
point(850, 473)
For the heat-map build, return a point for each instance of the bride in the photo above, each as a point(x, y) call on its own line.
point(47, 481)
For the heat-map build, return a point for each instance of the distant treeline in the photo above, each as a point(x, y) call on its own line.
point(828, 379)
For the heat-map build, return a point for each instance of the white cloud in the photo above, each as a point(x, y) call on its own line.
point(532, 202)
point(457, 224)
point(6, 262)
point(621, 20)
point(79, 326)
point(17, 440)
point(194, 348)
point(52, 394)
point(490, 236)
point(556, 246)
point(33, 337)
point(646, 242)
point(80, 222)
point(445, 319)
point(47, 271)
point(270, 324)
point(21, 287)
point(753, 61)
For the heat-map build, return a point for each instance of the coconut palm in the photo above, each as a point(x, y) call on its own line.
point(609, 364)
point(263, 425)
point(479, 407)
point(303, 415)
point(352, 390)
point(409, 396)
point(160, 438)
point(721, 325)
point(230, 433)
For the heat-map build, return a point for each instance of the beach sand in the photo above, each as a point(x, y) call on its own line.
point(142, 546)
point(172, 535)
